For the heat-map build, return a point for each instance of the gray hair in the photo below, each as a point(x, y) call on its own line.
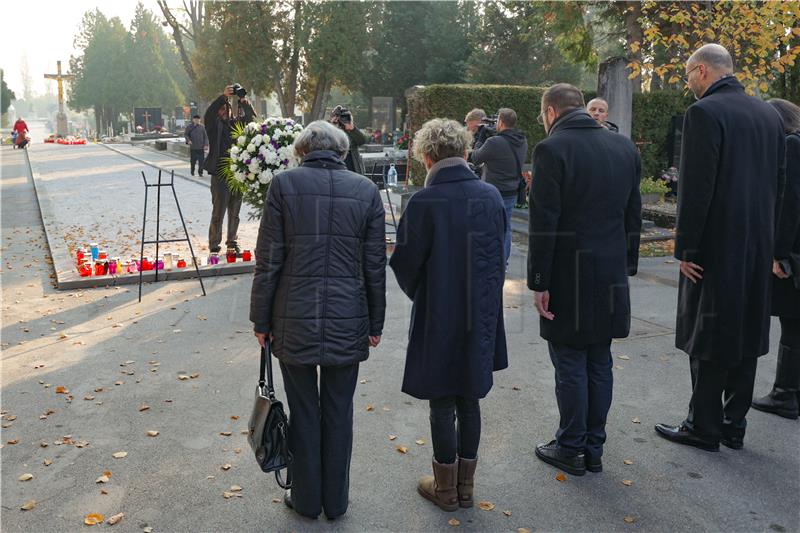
point(507, 116)
point(714, 57)
point(789, 112)
point(597, 99)
point(321, 135)
point(439, 139)
point(475, 114)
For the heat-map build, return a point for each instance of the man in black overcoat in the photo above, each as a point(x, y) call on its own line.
point(731, 172)
point(584, 243)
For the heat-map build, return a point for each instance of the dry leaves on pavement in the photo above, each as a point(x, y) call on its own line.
point(629, 519)
point(561, 477)
point(627, 462)
point(93, 519)
point(627, 482)
point(25, 477)
point(486, 506)
point(454, 522)
point(401, 449)
point(120, 455)
point(115, 518)
point(27, 506)
point(152, 433)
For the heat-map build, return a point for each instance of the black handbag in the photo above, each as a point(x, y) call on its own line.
point(269, 426)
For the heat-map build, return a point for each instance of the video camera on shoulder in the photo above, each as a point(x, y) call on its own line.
point(487, 128)
point(238, 90)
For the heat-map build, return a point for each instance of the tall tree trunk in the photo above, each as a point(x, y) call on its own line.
point(294, 62)
point(634, 34)
point(178, 38)
point(318, 104)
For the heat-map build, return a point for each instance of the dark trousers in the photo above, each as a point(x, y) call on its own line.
point(320, 435)
point(222, 200)
point(721, 397)
point(584, 387)
point(449, 439)
point(790, 332)
point(196, 157)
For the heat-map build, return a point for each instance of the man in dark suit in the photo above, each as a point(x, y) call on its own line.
point(584, 243)
point(731, 171)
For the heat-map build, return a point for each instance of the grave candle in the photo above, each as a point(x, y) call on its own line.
point(80, 254)
point(181, 263)
point(246, 255)
point(93, 247)
point(231, 257)
point(102, 254)
point(112, 267)
point(168, 260)
point(85, 270)
point(160, 264)
point(213, 259)
point(131, 267)
point(98, 268)
point(146, 264)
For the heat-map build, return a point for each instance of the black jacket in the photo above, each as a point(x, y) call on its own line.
point(219, 131)
point(785, 297)
point(585, 224)
point(353, 159)
point(449, 261)
point(197, 134)
point(320, 277)
point(499, 156)
point(731, 169)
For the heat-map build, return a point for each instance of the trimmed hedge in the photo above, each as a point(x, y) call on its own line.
point(652, 113)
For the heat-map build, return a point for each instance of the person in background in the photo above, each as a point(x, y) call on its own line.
point(21, 129)
point(784, 398)
point(319, 293)
point(598, 108)
point(474, 121)
point(585, 224)
point(448, 260)
point(731, 172)
point(197, 139)
point(502, 156)
point(342, 118)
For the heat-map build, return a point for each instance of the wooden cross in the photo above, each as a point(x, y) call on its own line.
point(146, 116)
point(60, 78)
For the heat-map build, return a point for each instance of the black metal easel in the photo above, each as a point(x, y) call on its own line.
point(380, 180)
point(158, 240)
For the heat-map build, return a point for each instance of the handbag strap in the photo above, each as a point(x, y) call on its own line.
point(266, 368)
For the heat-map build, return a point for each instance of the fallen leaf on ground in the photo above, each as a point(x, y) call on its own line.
point(47, 462)
point(523, 530)
point(93, 519)
point(228, 495)
point(225, 433)
point(115, 518)
point(61, 390)
point(276, 500)
point(507, 513)
point(234, 417)
point(101, 479)
point(144, 407)
point(120, 455)
point(104, 492)
point(12, 441)
point(515, 388)
point(636, 420)
point(148, 529)
point(370, 407)
point(119, 383)
point(627, 482)
point(420, 442)
point(486, 506)
point(194, 375)
point(627, 461)
point(183, 377)
point(561, 477)
point(27, 506)
point(88, 397)
point(152, 433)
point(629, 520)
point(63, 336)
point(624, 357)
point(25, 477)
point(392, 437)
point(235, 488)
point(454, 522)
point(402, 449)
point(226, 466)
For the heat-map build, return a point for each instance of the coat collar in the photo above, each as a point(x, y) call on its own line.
point(727, 82)
point(450, 174)
point(324, 159)
point(577, 118)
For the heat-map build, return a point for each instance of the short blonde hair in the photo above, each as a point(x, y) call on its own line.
point(439, 139)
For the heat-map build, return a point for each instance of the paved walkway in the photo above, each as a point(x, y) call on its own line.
point(120, 363)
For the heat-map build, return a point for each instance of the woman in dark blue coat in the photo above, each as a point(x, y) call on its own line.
point(784, 398)
point(449, 260)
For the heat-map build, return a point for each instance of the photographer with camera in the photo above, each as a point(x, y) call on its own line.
point(502, 156)
point(219, 121)
point(342, 118)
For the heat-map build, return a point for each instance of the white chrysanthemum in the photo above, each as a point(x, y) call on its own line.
point(235, 150)
point(258, 140)
point(239, 176)
point(242, 140)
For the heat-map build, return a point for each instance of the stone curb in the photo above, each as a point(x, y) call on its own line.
point(153, 165)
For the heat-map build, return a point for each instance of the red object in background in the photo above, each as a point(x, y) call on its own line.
point(231, 257)
point(99, 269)
point(85, 270)
point(80, 255)
point(181, 263)
point(246, 255)
point(102, 254)
point(146, 264)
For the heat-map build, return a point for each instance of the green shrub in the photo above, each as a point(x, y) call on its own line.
point(652, 114)
point(653, 186)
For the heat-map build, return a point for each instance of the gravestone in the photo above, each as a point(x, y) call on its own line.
point(674, 141)
point(147, 117)
point(614, 86)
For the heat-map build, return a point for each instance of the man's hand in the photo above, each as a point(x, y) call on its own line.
point(692, 271)
point(777, 270)
point(349, 127)
point(228, 92)
point(189, 143)
point(374, 341)
point(262, 338)
point(542, 302)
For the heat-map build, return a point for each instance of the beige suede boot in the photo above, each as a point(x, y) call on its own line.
point(440, 488)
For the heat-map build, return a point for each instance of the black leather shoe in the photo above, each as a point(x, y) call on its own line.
point(682, 435)
point(734, 443)
point(554, 455)
point(594, 464)
point(779, 402)
point(287, 500)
